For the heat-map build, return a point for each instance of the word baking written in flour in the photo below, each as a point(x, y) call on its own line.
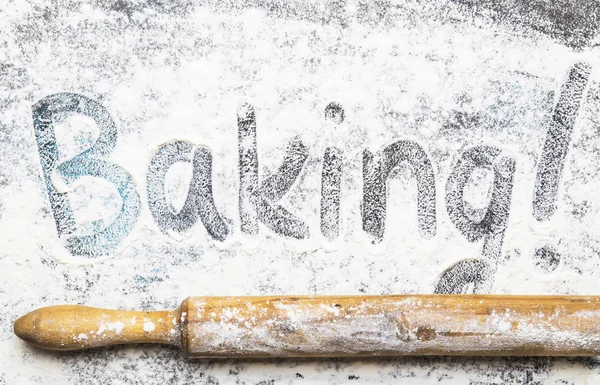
point(259, 201)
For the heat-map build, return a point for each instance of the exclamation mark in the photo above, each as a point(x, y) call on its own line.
point(557, 142)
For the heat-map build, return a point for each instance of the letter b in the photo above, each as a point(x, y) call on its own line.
point(88, 163)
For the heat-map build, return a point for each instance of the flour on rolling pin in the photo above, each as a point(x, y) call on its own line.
point(153, 150)
point(334, 326)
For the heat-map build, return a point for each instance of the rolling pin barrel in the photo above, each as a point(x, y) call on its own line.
point(335, 326)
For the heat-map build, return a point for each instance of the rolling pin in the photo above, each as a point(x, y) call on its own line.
point(334, 326)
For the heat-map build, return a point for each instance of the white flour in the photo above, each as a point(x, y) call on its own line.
point(431, 74)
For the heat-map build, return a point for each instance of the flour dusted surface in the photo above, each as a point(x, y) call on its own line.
point(443, 76)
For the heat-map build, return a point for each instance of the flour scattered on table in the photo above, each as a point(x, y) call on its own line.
point(154, 151)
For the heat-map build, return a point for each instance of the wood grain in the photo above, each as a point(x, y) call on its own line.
point(73, 327)
point(323, 326)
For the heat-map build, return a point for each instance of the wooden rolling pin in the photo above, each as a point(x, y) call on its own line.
point(327, 326)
